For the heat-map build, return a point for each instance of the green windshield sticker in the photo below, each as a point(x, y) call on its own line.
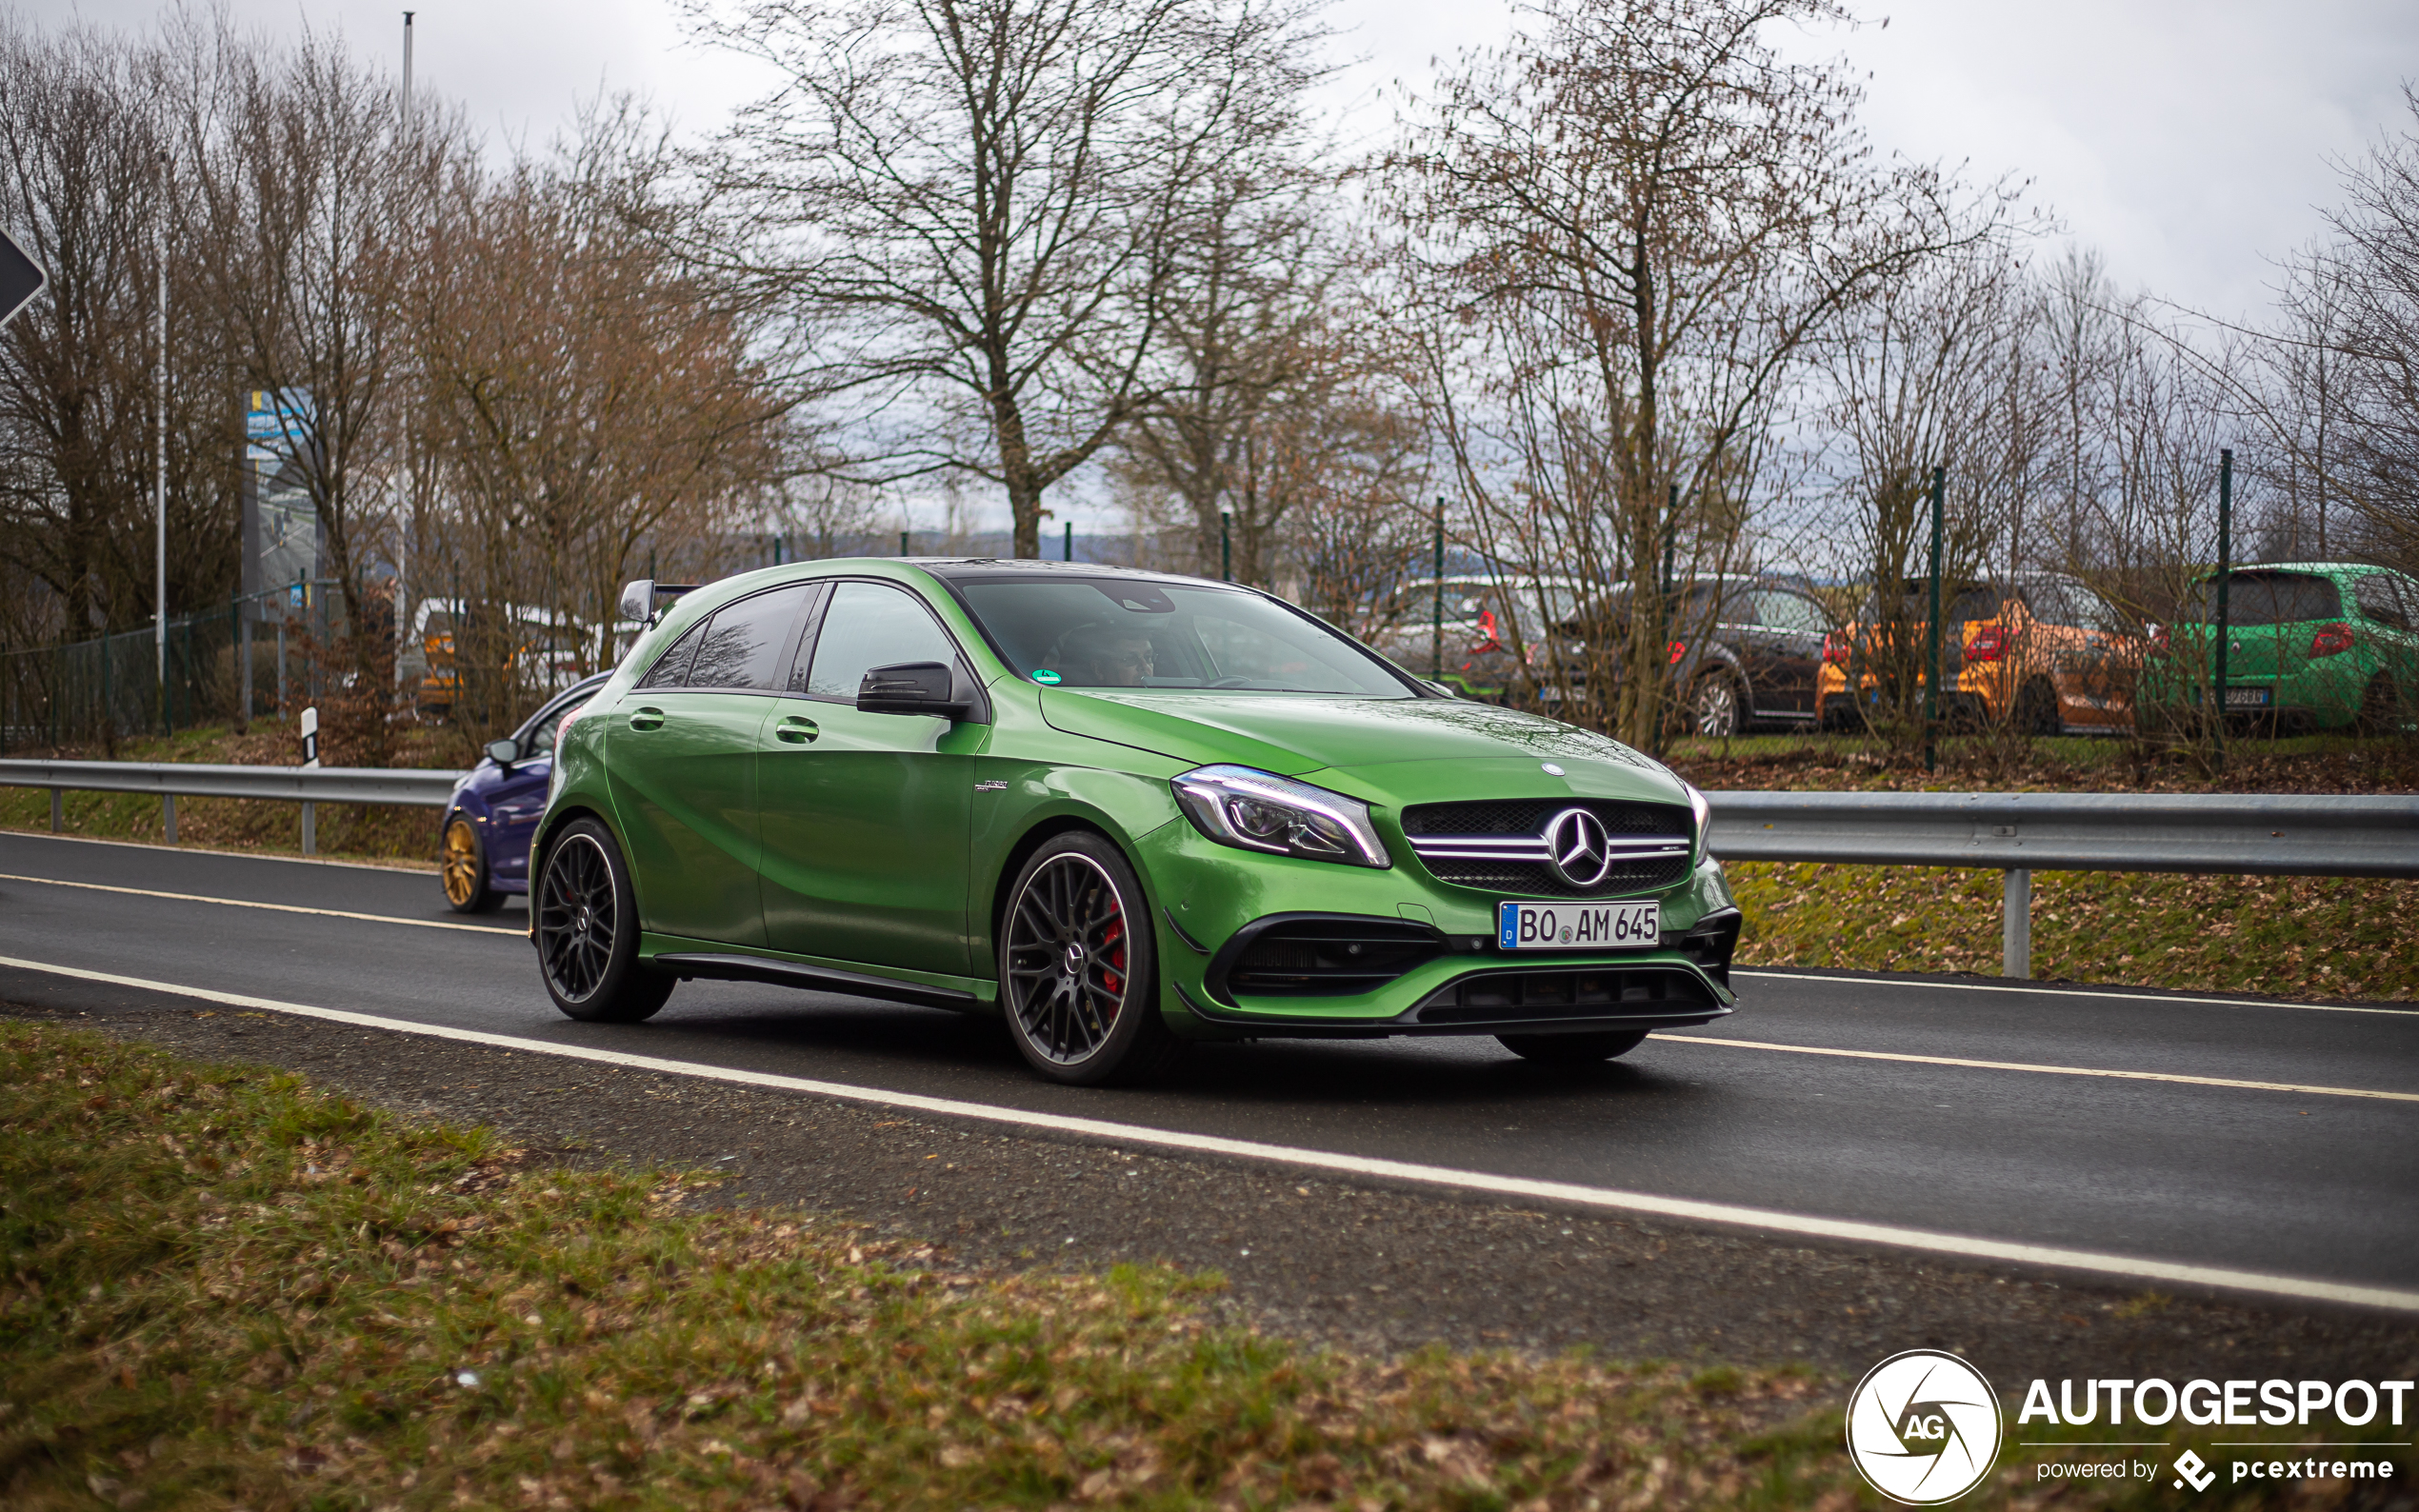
point(1047, 676)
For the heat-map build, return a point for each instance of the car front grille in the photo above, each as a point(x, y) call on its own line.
point(1500, 845)
point(1589, 992)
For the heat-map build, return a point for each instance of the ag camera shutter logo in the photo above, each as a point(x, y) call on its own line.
point(1923, 1427)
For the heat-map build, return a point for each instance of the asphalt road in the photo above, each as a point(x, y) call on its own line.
point(2170, 1159)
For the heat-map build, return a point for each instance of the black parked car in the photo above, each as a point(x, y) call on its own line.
point(1743, 652)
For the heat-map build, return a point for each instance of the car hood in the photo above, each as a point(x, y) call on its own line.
point(1409, 750)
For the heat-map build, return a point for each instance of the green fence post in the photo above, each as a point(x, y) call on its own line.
point(1226, 547)
point(1436, 603)
point(2225, 570)
point(109, 726)
point(1931, 653)
point(1069, 541)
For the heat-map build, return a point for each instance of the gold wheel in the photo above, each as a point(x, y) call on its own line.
point(463, 882)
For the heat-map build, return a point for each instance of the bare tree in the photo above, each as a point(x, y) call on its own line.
point(86, 180)
point(589, 400)
point(2373, 290)
point(1653, 215)
point(302, 184)
point(1930, 375)
point(974, 203)
point(1264, 334)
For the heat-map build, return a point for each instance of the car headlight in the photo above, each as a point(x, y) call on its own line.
point(1701, 812)
point(1257, 810)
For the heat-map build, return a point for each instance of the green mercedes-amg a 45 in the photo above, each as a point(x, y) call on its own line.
point(1120, 811)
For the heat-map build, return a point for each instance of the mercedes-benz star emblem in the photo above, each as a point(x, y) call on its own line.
point(1577, 850)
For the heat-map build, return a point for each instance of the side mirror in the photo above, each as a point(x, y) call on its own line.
point(640, 595)
point(504, 752)
point(914, 688)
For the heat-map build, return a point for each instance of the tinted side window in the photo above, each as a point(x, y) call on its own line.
point(2378, 602)
point(2268, 598)
point(743, 644)
point(1786, 612)
point(672, 669)
point(871, 625)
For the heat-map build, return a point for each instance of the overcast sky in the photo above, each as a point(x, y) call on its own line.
point(2190, 144)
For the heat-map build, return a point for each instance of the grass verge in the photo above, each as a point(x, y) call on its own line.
point(226, 1290)
point(2333, 937)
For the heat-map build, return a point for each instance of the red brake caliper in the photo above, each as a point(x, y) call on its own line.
point(1114, 943)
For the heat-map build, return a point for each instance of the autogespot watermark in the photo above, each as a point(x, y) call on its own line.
point(1925, 1428)
point(2273, 1403)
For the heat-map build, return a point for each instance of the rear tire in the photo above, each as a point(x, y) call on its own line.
point(1079, 967)
point(2380, 710)
point(2037, 708)
point(1573, 1050)
point(1717, 709)
point(587, 929)
point(467, 886)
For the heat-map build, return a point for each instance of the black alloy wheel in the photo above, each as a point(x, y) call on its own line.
point(1078, 969)
point(1573, 1050)
point(587, 932)
point(2037, 711)
point(1716, 707)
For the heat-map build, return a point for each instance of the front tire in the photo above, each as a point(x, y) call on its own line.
point(468, 888)
point(587, 931)
point(1573, 1050)
point(1079, 967)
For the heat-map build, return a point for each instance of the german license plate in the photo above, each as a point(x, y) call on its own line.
point(1579, 926)
point(2247, 698)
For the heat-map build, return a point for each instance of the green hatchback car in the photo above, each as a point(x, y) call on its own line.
point(1118, 810)
point(2311, 645)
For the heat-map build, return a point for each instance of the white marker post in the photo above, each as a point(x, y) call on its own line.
point(310, 762)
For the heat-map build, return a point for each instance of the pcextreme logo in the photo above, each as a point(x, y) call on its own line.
point(1923, 1427)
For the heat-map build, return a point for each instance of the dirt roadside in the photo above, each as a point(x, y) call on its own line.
point(1367, 1267)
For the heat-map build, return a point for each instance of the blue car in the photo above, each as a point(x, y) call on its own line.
point(494, 809)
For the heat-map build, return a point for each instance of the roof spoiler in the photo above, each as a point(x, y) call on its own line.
point(643, 599)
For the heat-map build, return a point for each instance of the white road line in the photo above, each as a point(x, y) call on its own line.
point(2047, 990)
point(272, 907)
point(2044, 1070)
point(389, 867)
point(1607, 1199)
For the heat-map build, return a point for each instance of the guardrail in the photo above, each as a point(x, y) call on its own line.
point(307, 785)
point(2022, 833)
point(2017, 833)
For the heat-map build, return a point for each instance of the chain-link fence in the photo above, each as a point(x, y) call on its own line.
point(251, 657)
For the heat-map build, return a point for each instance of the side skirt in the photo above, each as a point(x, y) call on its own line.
point(732, 967)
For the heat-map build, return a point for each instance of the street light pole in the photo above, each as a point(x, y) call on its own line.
point(410, 522)
point(159, 471)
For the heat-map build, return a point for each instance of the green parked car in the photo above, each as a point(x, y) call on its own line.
point(1118, 810)
point(2311, 645)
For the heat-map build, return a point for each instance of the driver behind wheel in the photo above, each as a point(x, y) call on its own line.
point(1098, 655)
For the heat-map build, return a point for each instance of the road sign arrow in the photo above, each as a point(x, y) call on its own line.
point(21, 278)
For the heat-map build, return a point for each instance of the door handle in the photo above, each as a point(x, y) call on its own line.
point(647, 718)
point(797, 731)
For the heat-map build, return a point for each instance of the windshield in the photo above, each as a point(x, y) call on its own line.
point(2266, 598)
point(1135, 632)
